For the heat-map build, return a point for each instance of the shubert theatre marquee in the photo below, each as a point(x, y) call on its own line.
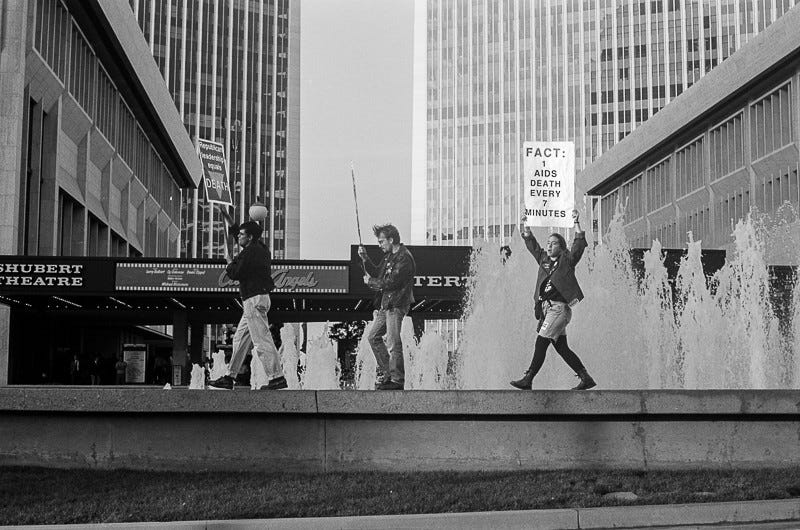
point(57, 301)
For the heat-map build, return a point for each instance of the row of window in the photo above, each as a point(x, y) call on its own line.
point(62, 45)
point(81, 233)
point(770, 130)
point(771, 193)
point(478, 232)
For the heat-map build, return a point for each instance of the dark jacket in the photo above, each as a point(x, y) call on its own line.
point(393, 278)
point(563, 277)
point(252, 268)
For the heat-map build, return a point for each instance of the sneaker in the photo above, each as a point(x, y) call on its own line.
point(225, 382)
point(390, 385)
point(276, 384)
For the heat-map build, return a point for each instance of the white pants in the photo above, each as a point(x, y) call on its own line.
point(253, 330)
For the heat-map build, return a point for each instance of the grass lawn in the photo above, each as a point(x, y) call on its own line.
point(30, 495)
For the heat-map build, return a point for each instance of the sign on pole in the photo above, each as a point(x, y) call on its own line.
point(215, 172)
point(549, 187)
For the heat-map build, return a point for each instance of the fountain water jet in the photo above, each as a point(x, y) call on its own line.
point(290, 355)
point(721, 333)
point(631, 332)
point(321, 369)
point(366, 364)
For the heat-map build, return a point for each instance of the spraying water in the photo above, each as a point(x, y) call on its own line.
point(197, 381)
point(720, 332)
point(219, 367)
point(631, 332)
point(366, 364)
point(290, 355)
point(321, 369)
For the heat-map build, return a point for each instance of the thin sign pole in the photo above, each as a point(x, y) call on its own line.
point(355, 199)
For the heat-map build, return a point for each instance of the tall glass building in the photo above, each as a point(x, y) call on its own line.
point(502, 72)
point(232, 68)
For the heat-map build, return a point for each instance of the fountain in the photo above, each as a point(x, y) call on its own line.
point(320, 365)
point(290, 355)
point(721, 333)
point(637, 330)
point(632, 330)
point(197, 380)
point(365, 362)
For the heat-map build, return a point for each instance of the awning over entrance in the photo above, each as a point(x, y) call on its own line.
point(144, 290)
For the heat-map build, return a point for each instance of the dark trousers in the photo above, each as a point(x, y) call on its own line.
point(560, 344)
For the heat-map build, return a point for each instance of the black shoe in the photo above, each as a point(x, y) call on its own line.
point(586, 381)
point(526, 383)
point(275, 384)
point(225, 382)
point(390, 385)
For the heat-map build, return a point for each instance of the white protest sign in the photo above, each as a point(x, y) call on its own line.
point(549, 183)
point(215, 172)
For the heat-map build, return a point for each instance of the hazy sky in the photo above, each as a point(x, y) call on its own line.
point(355, 105)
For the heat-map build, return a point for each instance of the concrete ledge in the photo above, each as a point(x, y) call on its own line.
point(152, 400)
point(86, 399)
point(151, 428)
point(563, 519)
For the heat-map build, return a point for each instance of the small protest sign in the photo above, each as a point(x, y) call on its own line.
point(549, 183)
point(215, 172)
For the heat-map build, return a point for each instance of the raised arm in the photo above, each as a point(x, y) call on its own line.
point(579, 242)
point(530, 241)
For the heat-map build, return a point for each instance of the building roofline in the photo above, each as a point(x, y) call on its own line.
point(771, 49)
point(120, 45)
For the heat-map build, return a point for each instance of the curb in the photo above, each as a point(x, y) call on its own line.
point(560, 519)
point(690, 514)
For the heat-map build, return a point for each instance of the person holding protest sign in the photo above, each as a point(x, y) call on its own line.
point(557, 290)
point(252, 269)
point(393, 279)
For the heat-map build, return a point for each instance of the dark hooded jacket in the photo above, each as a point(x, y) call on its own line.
point(393, 278)
point(252, 268)
point(563, 277)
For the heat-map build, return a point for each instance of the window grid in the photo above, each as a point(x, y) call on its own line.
point(632, 196)
point(726, 147)
point(772, 191)
point(731, 207)
point(770, 122)
point(659, 185)
point(689, 168)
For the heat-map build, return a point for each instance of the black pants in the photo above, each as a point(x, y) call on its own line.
point(560, 344)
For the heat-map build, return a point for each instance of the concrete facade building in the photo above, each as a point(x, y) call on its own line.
point(232, 68)
point(729, 145)
point(94, 154)
point(502, 72)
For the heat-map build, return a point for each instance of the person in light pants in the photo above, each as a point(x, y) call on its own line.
point(252, 269)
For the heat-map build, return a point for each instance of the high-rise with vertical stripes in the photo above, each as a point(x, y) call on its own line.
point(232, 67)
point(501, 72)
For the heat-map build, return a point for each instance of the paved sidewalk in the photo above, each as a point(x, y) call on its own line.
point(671, 515)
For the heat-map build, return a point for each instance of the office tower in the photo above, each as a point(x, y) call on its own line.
point(232, 68)
point(501, 72)
point(727, 148)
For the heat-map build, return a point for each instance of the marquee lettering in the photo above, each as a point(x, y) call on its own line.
point(41, 275)
point(440, 281)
